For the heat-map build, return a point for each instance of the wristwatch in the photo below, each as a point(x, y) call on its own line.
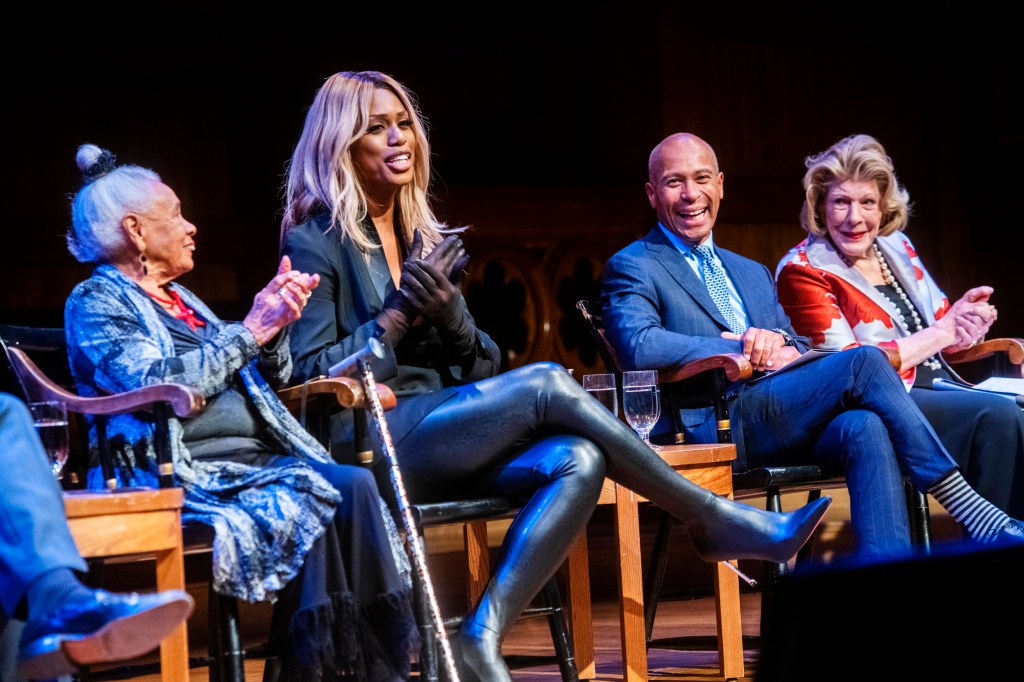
point(787, 339)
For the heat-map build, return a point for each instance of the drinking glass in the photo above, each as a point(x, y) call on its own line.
point(641, 402)
point(602, 387)
point(51, 421)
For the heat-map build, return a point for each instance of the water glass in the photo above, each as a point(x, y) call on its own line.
point(602, 387)
point(641, 402)
point(51, 421)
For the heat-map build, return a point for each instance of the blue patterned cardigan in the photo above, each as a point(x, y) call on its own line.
point(265, 519)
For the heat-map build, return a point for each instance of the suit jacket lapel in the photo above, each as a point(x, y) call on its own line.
point(676, 266)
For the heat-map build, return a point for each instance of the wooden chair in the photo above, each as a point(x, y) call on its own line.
point(97, 519)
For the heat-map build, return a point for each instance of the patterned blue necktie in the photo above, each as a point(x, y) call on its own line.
point(714, 279)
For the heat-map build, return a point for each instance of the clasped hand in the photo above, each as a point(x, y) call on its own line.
point(766, 350)
point(969, 319)
point(427, 283)
point(427, 288)
point(279, 303)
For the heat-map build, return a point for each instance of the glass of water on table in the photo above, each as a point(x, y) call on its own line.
point(641, 402)
point(50, 418)
point(602, 387)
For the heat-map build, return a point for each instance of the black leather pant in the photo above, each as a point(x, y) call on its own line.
point(535, 435)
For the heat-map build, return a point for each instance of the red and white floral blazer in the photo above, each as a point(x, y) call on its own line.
point(837, 308)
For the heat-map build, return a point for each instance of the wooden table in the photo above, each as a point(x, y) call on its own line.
point(709, 466)
point(119, 523)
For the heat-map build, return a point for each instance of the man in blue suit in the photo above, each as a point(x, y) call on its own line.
point(67, 624)
point(673, 296)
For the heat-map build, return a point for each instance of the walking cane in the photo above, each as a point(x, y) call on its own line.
point(360, 361)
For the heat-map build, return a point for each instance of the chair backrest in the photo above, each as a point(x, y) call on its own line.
point(48, 349)
point(589, 310)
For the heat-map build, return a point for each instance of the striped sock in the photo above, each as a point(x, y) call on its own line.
point(980, 518)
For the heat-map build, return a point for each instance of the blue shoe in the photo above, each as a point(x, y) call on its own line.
point(1012, 534)
point(106, 627)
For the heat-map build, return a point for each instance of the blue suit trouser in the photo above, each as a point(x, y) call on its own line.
point(851, 409)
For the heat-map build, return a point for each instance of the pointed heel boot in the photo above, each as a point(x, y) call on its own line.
point(477, 652)
point(729, 530)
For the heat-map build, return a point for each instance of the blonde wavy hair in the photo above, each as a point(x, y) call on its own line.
point(322, 178)
point(860, 158)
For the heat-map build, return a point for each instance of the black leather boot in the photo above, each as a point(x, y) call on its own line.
point(477, 651)
point(729, 530)
point(535, 546)
point(720, 528)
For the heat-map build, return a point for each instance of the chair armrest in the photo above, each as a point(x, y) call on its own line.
point(345, 391)
point(1014, 349)
point(184, 400)
point(735, 365)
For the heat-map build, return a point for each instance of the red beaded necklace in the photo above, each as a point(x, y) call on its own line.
point(186, 313)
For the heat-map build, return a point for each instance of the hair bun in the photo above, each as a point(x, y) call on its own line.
point(94, 162)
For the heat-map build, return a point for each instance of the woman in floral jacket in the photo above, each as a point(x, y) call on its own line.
point(857, 280)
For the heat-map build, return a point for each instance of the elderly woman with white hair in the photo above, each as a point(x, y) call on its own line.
point(290, 524)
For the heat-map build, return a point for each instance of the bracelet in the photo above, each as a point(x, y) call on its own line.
point(787, 339)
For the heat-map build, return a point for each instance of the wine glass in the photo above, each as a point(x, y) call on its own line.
point(641, 402)
point(602, 387)
point(50, 418)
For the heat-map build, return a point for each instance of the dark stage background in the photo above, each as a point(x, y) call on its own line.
point(541, 119)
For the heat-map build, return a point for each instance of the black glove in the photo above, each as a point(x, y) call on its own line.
point(437, 299)
point(440, 302)
point(399, 310)
point(449, 257)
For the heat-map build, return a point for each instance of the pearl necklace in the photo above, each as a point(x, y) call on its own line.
point(890, 280)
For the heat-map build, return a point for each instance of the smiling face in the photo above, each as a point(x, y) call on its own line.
point(685, 187)
point(167, 238)
point(383, 156)
point(853, 214)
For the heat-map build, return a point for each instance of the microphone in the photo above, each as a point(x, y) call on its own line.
point(350, 365)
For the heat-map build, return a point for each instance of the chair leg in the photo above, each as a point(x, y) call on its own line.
point(429, 653)
point(225, 641)
point(772, 571)
point(272, 669)
point(806, 553)
point(920, 519)
point(560, 632)
point(656, 573)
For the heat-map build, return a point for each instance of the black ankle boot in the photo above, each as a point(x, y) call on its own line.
point(477, 652)
point(728, 530)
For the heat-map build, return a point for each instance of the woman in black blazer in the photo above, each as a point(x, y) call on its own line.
point(357, 213)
